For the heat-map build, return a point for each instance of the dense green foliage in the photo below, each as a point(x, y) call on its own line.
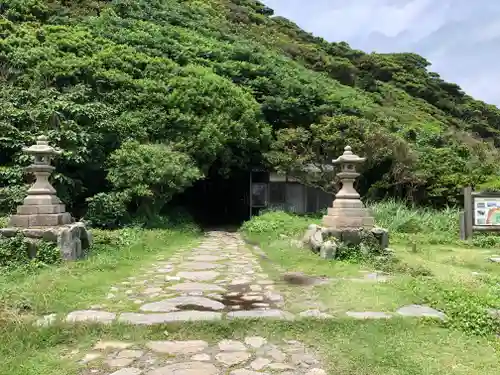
point(220, 84)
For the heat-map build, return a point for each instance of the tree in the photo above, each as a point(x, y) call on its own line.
point(151, 174)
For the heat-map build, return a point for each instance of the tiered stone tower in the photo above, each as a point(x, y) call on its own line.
point(43, 216)
point(42, 207)
point(347, 211)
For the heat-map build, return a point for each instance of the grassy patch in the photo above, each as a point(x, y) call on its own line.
point(456, 278)
point(78, 285)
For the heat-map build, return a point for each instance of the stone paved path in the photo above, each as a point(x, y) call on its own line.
point(252, 356)
point(219, 279)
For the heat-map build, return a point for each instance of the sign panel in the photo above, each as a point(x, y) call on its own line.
point(487, 211)
point(259, 194)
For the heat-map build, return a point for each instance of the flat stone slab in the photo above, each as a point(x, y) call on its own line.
point(178, 347)
point(103, 345)
point(177, 316)
point(368, 315)
point(231, 346)
point(128, 371)
point(260, 363)
point(46, 320)
point(198, 275)
point(232, 358)
point(90, 316)
point(316, 371)
point(255, 341)
point(247, 372)
point(199, 266)
point(315, 314)
point(253, 314)
point(172, 304)
point(186, 368)
point(195, 287)
point(494, 313)
point(419, 311)
point(206, 258)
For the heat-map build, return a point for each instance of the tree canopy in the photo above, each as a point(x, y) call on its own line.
point(128, 85)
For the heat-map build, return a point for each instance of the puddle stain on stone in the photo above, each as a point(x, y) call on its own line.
point(234, 297)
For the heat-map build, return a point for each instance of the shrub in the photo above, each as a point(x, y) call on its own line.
point(11, 197)
point(17, 252)
point(13, 252)
point(151, 174)
point(173, 218)
point(275, 223)
point(107, 210)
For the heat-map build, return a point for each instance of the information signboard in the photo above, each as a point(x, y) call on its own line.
point(481, 212)
point(486, 211)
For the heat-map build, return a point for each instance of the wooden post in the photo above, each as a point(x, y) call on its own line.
point(468, 213)
point(462, 226)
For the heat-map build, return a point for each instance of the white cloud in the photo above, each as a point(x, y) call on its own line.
point(460, 37)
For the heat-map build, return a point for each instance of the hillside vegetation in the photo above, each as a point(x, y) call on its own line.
point(147, 97)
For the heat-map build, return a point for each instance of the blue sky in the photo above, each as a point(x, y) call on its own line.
point(461, 38)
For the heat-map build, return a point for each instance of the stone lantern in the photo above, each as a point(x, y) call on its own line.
point(43, 216)
point(42, 207)
point(347, 211)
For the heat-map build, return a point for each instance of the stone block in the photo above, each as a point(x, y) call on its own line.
point(9, 232)
point(352, 236)
point(50, 220)
point(341, 221)
point(332, 233)
point(382, 235)
point(20, 221)
point(72, 239)
point(41, 209)
point(328, 250)
point(41, 200)
point(316, 240)
point(310, 231)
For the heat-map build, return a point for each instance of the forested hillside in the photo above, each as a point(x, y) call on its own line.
point(147, 96)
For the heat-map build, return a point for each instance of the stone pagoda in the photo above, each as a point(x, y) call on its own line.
point(41, 208)
point(347, 211)
point(43, 216)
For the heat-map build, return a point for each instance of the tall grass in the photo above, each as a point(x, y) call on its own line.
point(409, 222)
point(405, 224)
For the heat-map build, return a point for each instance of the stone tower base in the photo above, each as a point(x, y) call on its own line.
point(73, 239)
point(348, 213)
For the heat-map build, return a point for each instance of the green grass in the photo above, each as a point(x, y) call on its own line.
point(78, 285)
